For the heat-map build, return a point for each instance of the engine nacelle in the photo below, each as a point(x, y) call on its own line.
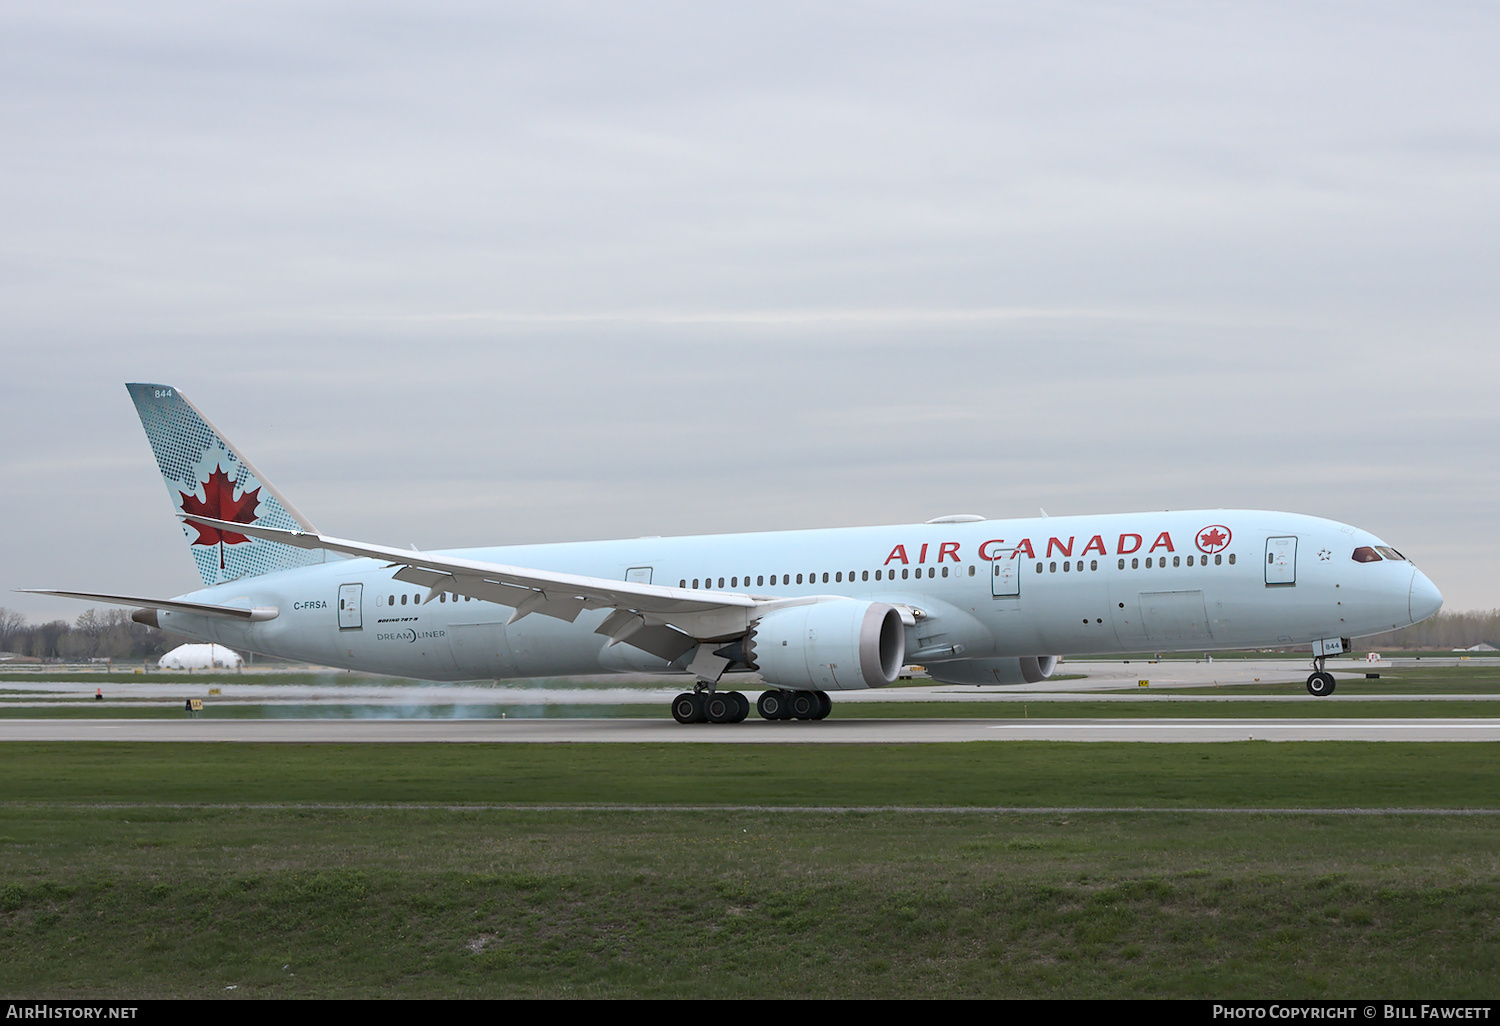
point(1016, 670)
point(836, 645)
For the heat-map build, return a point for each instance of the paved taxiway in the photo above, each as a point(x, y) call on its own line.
point(838, 731)
point(363, 709)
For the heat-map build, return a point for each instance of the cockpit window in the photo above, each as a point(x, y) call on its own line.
point(1390, 553)
point(1365, 554)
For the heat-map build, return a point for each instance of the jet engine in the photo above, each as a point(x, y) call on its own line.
point(1016, 670)
point(839, 644)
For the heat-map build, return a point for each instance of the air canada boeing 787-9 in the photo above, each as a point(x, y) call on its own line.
point(808, 612)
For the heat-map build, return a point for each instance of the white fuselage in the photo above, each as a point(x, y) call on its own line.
point(1083, 585)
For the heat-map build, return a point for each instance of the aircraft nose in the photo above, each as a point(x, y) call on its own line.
point(1425, 598)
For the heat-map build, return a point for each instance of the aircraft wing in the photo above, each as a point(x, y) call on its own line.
point(653, 617)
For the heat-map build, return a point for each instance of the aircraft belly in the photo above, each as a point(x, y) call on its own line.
point(481, 650)
point(1175, 617)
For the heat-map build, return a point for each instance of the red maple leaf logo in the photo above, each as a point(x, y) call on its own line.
point(219, 503)
point(1213, 539)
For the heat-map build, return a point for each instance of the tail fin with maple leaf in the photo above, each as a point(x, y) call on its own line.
point(206, 476)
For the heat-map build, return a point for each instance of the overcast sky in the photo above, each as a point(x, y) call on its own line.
point(476, 273)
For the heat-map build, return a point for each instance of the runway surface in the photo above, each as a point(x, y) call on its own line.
point(1102, 681)
point(837, 731)
point(347, 708)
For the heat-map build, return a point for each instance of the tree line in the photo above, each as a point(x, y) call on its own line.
point(94, 635)
point(1443, 632)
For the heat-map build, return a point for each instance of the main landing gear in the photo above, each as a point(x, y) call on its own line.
point(733, 707)
point(1320, 683)
point(710, 707)
point(793, 705)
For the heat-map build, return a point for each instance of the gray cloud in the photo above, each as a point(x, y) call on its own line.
point(469, 273)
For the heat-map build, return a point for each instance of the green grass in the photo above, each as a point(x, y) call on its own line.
point(287, 871)
point(1023, 773)
point(154, 902)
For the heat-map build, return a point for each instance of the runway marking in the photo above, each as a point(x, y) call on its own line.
point(946, 810)
point(1233, 724)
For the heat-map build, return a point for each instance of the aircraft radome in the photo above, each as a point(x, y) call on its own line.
point(976, 601)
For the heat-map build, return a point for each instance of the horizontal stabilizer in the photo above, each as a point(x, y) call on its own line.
point(256, 614)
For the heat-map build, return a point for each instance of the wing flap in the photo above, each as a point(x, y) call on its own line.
point(699, 614)
point(692, 614)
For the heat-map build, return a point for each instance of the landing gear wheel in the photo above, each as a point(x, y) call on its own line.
point(1320, 684)
point(825, 705)
point(805, 705)
point(741, 707)
point(773, 705)
point(720, 707)
point(688, 708)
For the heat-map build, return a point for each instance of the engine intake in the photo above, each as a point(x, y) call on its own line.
point(835, 645)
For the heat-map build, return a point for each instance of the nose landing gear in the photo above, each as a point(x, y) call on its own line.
point(1320, 682)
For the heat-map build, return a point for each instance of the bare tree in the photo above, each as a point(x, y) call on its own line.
point(12, 625)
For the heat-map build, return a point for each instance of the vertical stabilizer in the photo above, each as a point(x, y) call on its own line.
point(205, 475)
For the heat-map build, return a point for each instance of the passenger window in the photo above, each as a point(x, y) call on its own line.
point(903, 573)
point(1176, 560)
point(1135, 564)
point(760, 580)
point(865, 575)
point(1093, 564)
point(1231, 559)
point(825, 578)
point(1218, 560)
point(799, 578)
point(1039, 568)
